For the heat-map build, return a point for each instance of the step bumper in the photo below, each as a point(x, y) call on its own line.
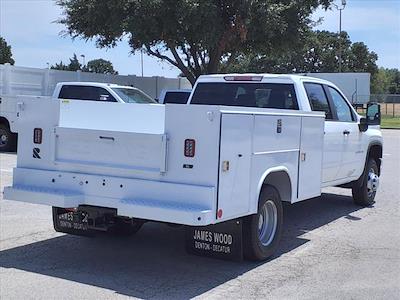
point(145, 199)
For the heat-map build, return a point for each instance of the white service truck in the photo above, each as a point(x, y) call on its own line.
point(90, 91)
point(221, 165)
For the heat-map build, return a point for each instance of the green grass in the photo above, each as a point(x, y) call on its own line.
point(390, 122)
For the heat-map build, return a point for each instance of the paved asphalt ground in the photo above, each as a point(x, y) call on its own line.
point(331, 250)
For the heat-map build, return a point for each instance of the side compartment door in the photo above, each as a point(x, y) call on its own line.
point(310, 160)
point(234, 170)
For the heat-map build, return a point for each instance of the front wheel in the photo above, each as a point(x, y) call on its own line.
point(262, 231)
point(7, 139)
point(364, 193)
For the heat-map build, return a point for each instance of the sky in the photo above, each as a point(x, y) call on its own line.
point(29, 27)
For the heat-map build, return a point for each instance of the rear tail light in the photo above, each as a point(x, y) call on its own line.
point(37, 135)
point(190, 147)
point(243, 78)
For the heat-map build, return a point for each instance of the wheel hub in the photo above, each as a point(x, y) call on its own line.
point(267, 222)
point(372, 183)
point(3, 139)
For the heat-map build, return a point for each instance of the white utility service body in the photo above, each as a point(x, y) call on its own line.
point(197, 164)
point(142, 150)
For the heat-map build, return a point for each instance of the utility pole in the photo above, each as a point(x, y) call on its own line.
point(340, 8)
point(83, 59)
point(141, 59)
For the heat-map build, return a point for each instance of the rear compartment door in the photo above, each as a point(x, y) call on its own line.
point(234, 172)
point(88, 148)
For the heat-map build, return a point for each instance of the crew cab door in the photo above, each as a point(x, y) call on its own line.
point(346, 125)
point(333, 138)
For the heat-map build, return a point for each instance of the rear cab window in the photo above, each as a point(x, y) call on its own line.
point(262, 95)
point(88, 93)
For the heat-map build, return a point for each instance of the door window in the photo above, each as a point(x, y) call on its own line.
point(342, 108)
point(80, 92)
point(318, 99)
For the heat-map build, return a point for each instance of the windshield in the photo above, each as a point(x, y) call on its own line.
point(133, 96)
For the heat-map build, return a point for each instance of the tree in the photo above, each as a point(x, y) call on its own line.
point(100, 66)
point(194, 36)
point(74, 65)
point(5, 52)
point(386, 81)
point(318, 53)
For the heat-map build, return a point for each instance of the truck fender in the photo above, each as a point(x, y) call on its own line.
point(279, 178)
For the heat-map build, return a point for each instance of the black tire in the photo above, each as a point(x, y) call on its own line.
point(7, 139)
point(57, 211)
point(125, 227)
point(254, 248)
point(363, 195)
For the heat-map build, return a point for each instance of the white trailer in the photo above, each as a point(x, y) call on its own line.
point(221, 170)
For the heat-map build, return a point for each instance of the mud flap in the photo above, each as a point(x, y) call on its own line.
point(223, 240)
point(71, 221)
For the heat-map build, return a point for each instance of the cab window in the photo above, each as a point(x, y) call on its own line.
point(343, 110)
point(318, 99)
point(262, 95)
point(89, 93)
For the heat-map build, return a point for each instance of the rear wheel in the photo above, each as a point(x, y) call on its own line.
point(364, 193)
point(262, 231)
point(7, 139)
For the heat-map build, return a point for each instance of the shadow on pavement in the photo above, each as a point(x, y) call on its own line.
point(153, 264)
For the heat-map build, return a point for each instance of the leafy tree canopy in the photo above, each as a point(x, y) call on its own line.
point(74, 65)
point(94, 66)
point(5, 52)
point(99, 66)
point(194, 36)
point(386, 81)
point(319, 52)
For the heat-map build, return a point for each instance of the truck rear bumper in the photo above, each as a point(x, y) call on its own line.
point(145, 199)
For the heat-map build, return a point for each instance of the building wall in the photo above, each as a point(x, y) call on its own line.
point(355, 86)
point(41, 82)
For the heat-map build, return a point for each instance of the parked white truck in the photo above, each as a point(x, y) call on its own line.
point(222, 165)
point(90, 91)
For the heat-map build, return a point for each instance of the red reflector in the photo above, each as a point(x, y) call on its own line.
point(243, 78)
point(219, 213)
point(37, 135)
point(190, 147)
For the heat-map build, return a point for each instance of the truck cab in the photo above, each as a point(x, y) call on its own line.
point(95, 91)
point(347, 139)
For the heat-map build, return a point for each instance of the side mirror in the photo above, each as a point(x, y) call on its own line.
point(363, 125)
point(373, 114)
